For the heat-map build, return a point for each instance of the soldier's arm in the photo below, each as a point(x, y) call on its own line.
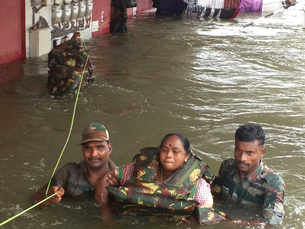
point(101, 194)
point(40, 195)
point(273, 210)
point(216, 186)
point(57, 186)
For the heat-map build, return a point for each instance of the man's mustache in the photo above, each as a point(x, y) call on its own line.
point(241, 163)
point(94, 159)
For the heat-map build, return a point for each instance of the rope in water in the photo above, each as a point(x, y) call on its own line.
point(71, 126)
point(26, 210)
point(61, 153)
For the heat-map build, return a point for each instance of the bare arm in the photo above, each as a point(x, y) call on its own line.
point(110, 178)
point(40, 195)
point(101, 194)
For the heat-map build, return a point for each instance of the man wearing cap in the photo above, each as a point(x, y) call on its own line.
point(79, 179)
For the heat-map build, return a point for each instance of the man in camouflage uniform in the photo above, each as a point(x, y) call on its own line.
point(78, 180)
point(67, 63)
point(245, 180)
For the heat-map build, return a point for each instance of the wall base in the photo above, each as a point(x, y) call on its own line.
point(40, 42)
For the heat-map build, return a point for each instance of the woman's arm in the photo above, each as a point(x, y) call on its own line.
point(203, 195)
point(116, 177)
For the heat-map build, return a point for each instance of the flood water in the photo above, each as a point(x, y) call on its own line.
point(200, 78)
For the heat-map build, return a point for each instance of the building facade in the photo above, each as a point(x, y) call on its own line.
point(31, 28)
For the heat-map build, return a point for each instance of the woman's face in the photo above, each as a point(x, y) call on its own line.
point(172, 154)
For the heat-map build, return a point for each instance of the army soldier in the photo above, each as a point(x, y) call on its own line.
point(78, 180)
point(67, 63)
point(245, 180)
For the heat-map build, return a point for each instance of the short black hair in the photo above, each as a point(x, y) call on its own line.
point(184, 140)
point(250, 132)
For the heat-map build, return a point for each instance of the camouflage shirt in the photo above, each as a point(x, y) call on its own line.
point(262, 188)
point(146, 188)
point(73, 177)
point(68, 63)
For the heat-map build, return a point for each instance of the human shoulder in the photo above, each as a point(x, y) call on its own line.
point(195, 154)
point(147, 154)
point(225, 173)
point(71, 166)
point(227, 166)
point(64, 173)
point(228, 162)
point(111, 164)
point(272, 178)
point(207, 173)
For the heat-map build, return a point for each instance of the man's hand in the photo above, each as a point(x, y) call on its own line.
point(110, 179)
point(40, 195)
point(59, 193)
point(101, 193)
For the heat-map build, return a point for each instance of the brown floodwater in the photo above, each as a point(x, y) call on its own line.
point(201, 78)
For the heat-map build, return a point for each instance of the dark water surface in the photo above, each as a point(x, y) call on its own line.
point(201, 78)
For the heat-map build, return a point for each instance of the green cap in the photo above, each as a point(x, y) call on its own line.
point(95, 132)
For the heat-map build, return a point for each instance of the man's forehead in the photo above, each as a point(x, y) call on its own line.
point(96, 143)
point(255, 141)
point(248, 144)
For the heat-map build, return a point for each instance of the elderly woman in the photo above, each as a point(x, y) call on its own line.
point(169, 178)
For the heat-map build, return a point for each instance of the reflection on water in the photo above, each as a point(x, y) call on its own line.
point(201, 78)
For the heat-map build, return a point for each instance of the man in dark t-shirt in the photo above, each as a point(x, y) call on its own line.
point(79, 179)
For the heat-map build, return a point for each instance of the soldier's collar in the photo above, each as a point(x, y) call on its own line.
point(260, 167)
point(257, 172)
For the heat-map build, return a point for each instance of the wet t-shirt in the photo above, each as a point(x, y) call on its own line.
point(73, 177)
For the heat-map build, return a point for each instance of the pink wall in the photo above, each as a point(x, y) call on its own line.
point(101, 13)
point(12, 24)
point(143, 5)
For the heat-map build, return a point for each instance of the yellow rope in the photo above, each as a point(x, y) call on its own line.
point(71, 126)
point(61, 153)
point(26, 210)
